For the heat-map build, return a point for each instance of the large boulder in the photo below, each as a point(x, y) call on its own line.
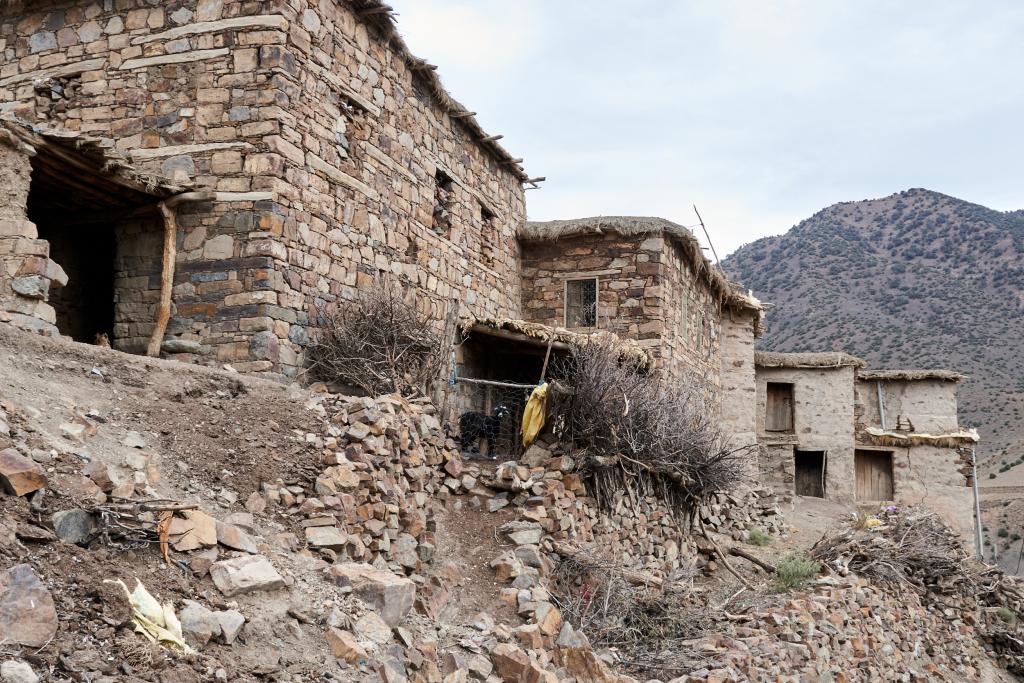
point(245, 575)
point(19, 475)
point(392, 596)
point(27, 614)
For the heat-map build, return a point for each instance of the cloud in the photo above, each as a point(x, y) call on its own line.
point(760, 113)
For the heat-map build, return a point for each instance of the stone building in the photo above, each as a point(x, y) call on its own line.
point(329, 156)
point(205, 178)
point(830, 428)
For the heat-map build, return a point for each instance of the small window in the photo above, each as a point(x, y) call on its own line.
point(443, 196)
point(778, 415)
point(489, 235)
point(698, 331)
point(581, 303)
point(684, 329)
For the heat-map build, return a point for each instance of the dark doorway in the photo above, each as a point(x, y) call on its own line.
point(85, 306)
point(874, 475)
point(810, 473)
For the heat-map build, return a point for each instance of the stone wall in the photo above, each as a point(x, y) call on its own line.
point(823, 420)
point(641, 280)
point(693, 319)
point(26, 271)
point(331, 147)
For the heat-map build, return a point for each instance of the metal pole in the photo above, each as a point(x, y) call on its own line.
point(977, 507)
point(881, 403)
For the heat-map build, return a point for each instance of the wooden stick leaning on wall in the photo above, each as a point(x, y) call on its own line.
point(170, 252)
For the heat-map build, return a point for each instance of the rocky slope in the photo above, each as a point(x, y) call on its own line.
point(315, 536)
point(916, 279)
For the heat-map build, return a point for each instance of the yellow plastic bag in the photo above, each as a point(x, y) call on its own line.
point(535, 413)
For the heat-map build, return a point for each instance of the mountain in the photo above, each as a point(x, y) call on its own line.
point(918, 280)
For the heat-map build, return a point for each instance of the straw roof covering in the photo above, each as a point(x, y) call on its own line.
point(821, 360)
point(381, 16)
point(74, 170)
point(729, 293)
point(960, 437)
point(910, 375)
point(531, 332)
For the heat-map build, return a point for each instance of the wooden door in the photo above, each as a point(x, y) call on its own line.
point(874, 475)
point(779, 407)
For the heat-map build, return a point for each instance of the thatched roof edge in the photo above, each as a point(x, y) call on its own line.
point(821, 360)
point(730, 294)
point(630, 348)
point(910, 375)
point(109, 162)
point(380, 15)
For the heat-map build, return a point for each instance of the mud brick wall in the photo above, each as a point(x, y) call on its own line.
point(640, 283)
point(929, 405)
point(823, 420)
point(738, 381)
point(310, 119)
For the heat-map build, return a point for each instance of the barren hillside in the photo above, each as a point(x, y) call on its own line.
point(916, 279)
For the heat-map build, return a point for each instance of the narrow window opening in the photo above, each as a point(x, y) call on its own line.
point(684, 329)
point(581, 303)
point(779, 407)
point(489, 235)
point(443, 195)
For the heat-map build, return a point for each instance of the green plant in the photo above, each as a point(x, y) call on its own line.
point(1006, 615)
point(759, 538)
point(795, 570)
point(1002, 533)
point(991, 475)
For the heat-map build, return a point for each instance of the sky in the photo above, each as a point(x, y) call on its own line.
point(759, 113)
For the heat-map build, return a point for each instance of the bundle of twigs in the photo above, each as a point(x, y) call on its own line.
point(381, 342)
point(912, 547)
point(633, 429)
point(130, 524)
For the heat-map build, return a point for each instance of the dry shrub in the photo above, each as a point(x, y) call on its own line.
point(379, 342)
point(648, 625)
point(634, 429)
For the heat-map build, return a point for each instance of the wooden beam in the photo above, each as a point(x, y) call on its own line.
point(163, 313)
point(491, 138)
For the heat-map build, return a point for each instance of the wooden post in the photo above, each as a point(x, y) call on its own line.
point(163, 313)
point(547, 357)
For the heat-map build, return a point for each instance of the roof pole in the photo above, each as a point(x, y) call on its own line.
point(881, 403)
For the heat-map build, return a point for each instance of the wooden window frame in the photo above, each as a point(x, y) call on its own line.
point(565, 302)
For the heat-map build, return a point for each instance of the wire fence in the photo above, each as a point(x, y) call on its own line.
point(490, 415)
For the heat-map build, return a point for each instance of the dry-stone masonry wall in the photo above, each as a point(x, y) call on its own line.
point(342, 164)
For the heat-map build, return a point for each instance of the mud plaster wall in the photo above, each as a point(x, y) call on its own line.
point(639, 282)
point(739, 385)
point(823, 420)
point(247, 97)
point(930, 406)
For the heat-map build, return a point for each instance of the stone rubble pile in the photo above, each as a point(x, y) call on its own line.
point(384, 460)
point(842, 630)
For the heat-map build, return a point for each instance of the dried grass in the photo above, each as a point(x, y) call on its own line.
point(648, 625)
point(380, 342)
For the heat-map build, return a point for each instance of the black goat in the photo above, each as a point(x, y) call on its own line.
point(474, 426)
